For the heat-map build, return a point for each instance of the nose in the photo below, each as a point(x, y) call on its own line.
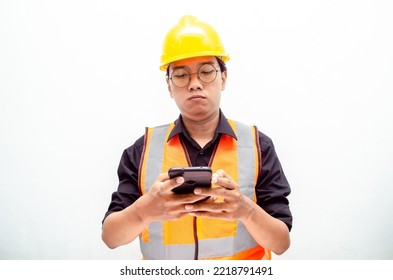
point(195, 83)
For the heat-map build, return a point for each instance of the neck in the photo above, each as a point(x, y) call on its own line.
point(202, 131)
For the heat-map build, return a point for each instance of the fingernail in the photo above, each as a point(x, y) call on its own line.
point(188, 207)
point(179, 180)
point(197, 190)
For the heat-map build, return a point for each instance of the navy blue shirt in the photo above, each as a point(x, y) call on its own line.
point(272, 186)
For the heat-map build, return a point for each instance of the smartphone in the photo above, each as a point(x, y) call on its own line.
point(196, 176)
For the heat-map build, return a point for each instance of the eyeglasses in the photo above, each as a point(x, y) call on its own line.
point(207, 73)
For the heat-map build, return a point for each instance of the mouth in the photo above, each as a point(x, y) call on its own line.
point(195, 97)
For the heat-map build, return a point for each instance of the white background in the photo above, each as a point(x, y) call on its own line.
point(79, 81)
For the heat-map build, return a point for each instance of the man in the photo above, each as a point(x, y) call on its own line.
point(245, 215)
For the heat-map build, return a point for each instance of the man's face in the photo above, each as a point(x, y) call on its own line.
point(197, 99)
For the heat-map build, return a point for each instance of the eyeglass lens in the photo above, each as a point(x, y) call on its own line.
point(207, 73)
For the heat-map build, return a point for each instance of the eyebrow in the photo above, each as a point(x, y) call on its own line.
point(199, 65)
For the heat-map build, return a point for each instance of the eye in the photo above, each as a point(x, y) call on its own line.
point(180, 74)
point(207, 69)
point(206, 72)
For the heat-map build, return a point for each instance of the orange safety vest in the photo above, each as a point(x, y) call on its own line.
point(196, 237)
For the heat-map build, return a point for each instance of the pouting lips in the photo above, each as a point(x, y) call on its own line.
point(196, 97)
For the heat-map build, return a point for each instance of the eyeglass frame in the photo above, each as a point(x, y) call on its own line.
point(189, 74)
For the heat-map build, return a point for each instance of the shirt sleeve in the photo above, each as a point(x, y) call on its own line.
point(128, 190)
point(272, 187)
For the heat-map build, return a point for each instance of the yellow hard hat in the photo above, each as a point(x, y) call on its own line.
point(191, 38)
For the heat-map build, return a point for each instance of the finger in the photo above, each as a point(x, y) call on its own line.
point(168, 184)
point(187, 199)
point(221, 215)
point(222, 173)
point(221, 178)
point(225, 182)
point(163, 177)
point(215, 207)
point(212, 192)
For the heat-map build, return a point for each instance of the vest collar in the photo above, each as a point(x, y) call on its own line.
point(223, 128)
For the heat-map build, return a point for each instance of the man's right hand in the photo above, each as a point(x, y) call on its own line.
point(160, 203)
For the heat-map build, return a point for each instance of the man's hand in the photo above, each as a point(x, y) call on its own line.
point(226, 202)
point(160, 203)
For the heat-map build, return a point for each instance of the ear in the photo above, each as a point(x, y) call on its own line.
point(223, 80)
point(169, 87)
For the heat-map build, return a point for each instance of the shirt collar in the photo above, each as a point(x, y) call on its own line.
point(223, 127)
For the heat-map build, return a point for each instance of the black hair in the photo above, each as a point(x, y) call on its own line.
point(223, 66)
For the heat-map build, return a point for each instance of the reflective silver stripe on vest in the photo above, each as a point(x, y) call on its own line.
point(208, 248)
point(246, 156)
point(155, 248)
point(154, 157)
